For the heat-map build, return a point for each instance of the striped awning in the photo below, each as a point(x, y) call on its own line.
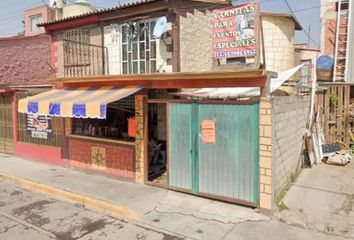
point(81, 102)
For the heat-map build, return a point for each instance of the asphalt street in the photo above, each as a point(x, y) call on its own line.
point(26, 215)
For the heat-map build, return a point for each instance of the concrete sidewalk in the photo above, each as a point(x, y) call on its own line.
point(327, 200)
point(183, 215)
point(128, 200)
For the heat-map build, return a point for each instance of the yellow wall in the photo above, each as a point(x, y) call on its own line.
point(279, 43)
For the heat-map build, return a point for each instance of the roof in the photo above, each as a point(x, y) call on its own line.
point(286, 15)
point(104, 10)
point(119, 7)
point(236, 78)
point(22, 37)
point(305, 47)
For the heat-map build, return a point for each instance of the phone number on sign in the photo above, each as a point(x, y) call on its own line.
point(237, 53)
point(41, 135)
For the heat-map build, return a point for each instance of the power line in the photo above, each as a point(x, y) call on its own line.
point(22, 9)
point(294, 15)
point(11, 17)
point(308, 8)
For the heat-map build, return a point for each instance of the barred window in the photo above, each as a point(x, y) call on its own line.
point(82, 58)
point(82, 36)
point(138, 48)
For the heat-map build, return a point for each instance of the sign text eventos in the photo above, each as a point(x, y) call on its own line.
point(234, 31)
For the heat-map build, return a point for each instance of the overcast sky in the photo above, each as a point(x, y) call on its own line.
point(307, 11)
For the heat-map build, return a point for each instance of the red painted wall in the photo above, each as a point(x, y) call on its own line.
point(52, 155)
point(120, 159)
point(24, 60)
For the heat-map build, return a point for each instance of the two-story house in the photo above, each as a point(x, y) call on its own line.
point(25, 69)
point(118, 76)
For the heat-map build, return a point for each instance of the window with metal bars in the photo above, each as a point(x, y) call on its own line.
point(81, 35)
point(82, 58)
point(138, 48)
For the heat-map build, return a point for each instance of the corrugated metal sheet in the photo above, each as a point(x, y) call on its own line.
point(180, 144)
point(349, 74)
point(226, 168)
point(229, 168)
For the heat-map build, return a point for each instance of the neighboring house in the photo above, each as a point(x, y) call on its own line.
point(35, 16)
point(308, 56)
point(25, 68)
point(117, 93)
point(338, 35)
point(337, 41)
point(279, 41)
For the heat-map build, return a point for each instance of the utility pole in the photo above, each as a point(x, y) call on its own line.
point(309, 36)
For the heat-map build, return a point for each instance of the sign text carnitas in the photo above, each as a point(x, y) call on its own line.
point(234, 31)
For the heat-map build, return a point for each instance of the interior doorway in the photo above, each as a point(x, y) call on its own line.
point(157, 144)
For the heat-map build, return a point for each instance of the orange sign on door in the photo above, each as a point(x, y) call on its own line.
point(208, 130)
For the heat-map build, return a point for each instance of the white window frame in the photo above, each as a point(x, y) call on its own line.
point(34, 20)
point(148, 60)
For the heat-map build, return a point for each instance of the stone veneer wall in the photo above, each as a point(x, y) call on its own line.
point(290, 116)
point(140, 109)
point(196, 42)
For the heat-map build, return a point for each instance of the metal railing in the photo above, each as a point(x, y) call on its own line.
point(83, 59)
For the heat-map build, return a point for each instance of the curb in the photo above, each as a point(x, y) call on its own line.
point(110, 208)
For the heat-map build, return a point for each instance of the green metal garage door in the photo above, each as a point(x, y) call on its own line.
point(180, 133)
point(6, 138)
point(226, 167)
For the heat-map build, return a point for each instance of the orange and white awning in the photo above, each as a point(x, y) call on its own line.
point(81, 102)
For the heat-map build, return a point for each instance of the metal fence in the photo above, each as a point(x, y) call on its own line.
point(83, 59)
point(6, 137)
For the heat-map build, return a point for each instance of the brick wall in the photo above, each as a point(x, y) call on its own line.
point(265, 156)
point(289, 124)
point(279, 43)
point(120, 159)
point(196, 42)
point(25, 60)
point(328, 26)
